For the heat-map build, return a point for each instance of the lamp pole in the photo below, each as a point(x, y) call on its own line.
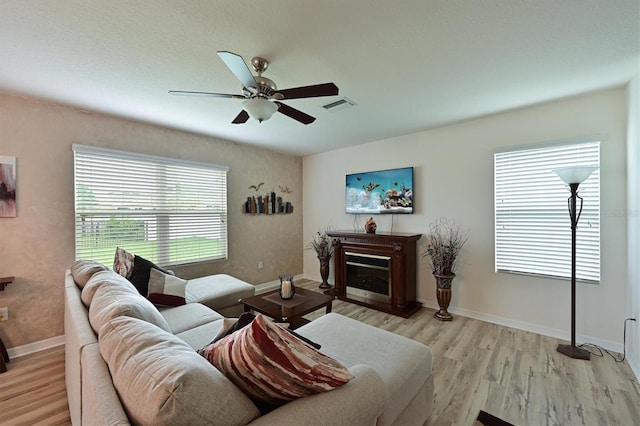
point(572, 350)
point(574, 176)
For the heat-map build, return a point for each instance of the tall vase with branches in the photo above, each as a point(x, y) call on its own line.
point(321, 244)
point(444, 243)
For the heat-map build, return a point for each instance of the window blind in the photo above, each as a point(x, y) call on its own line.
point(532, 224)
point(166, 210)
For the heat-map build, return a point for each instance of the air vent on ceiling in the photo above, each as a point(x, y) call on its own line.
point(340, 104)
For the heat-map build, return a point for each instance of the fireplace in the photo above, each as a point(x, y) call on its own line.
point(376, 270)
point(369, 276)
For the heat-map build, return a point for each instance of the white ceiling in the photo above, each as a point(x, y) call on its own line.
point(410, 65)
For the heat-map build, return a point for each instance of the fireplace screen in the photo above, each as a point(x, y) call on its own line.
point(369, 276)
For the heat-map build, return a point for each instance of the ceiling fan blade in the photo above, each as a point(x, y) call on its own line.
point(207, 94)
point(241, 118)
point(239, 68)
point(326, 89)
point(296, 114)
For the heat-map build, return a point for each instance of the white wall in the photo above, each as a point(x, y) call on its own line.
point(633, 188)
point(454, 178)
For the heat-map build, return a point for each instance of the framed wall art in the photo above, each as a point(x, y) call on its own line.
point(7, 186)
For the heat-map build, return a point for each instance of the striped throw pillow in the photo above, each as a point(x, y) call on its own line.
point(271, 366)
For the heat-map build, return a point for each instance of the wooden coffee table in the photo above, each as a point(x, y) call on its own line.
point(292, 310)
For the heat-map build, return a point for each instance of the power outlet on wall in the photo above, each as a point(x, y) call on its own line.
point(260, 264)
point(4, 314)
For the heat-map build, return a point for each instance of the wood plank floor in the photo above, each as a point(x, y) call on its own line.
point(32, 391)
point(515, 375)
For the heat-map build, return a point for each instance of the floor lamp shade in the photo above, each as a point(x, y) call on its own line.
point(577, 174)
point(574, 176)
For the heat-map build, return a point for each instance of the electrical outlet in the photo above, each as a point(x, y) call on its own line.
point(4, 314)
point(260, 264)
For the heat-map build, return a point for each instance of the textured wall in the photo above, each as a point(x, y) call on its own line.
point(38, 245)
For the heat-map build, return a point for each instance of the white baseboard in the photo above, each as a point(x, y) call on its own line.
point(30, 348)
point(273, 285)
point(634, 367)
point(531, 327)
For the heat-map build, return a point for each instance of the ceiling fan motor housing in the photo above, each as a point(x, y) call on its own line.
point(266, 87)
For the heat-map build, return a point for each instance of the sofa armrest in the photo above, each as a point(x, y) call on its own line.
point(359, 402)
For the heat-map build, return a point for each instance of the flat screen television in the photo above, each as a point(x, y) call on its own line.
point(380, 192)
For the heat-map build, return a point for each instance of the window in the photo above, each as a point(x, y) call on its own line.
point(532, 225)
point(166, 210)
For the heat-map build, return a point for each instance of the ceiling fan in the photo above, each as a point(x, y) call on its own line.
point(261, 95)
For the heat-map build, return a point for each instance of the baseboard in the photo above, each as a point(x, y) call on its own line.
point(273, 285)
point(634, 367)
point(531, 327)
point(38, 346)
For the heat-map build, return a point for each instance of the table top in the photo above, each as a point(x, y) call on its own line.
point(302, 303)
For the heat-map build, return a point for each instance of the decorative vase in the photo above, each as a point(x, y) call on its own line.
point(443, 294)
point(324, 270)
point(370, 226)
point(287, 289)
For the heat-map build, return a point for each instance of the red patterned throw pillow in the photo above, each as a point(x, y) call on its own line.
point(123, 262)
point(272, 366)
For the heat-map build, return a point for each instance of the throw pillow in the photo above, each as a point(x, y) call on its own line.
point(231, 325)
point(141, 273)
point(166, 289)
point(123, 262)
point(272, 366)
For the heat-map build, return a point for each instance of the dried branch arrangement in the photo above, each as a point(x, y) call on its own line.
point(444, 242)
point(321, 243)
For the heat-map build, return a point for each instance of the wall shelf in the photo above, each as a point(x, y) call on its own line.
point(268, 204)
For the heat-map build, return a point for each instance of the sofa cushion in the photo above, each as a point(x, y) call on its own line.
point(123, 262)
point(218, 291)
point(273, 367)
point(200, 336)
point(109, 278)
point(111, 301)
point(403, 364)
point(166, 289)
point(82, 270)
point(162, 381)
point(185, 317)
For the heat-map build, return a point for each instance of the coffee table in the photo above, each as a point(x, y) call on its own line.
point(292, 310)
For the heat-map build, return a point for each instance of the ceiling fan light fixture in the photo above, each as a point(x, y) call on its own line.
point(260, 108)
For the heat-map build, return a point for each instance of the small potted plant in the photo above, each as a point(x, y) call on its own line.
point(444, 242)
point(321, 244)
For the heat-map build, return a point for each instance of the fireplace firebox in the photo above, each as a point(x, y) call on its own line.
point(369, 276)
point(376, 270)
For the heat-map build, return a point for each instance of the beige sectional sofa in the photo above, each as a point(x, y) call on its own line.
point(128, 362)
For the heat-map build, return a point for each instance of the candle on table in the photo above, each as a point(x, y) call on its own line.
point(286, 289)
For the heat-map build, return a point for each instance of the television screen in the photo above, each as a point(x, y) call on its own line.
point(380, 192)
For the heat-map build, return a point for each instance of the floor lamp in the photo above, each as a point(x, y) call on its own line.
point(574, 176)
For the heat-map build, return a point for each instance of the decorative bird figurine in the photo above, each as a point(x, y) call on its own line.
point(285, 189)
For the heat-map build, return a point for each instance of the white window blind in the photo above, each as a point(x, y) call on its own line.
point(532, 225)
point(166, 210)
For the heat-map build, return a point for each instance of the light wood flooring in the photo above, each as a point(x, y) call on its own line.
point(515, 375)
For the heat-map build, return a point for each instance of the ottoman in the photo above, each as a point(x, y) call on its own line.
point(403, 364)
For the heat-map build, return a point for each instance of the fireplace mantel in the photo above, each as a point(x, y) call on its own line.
point(400, 247)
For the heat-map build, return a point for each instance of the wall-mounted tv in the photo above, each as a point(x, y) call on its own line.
point(380, 192)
